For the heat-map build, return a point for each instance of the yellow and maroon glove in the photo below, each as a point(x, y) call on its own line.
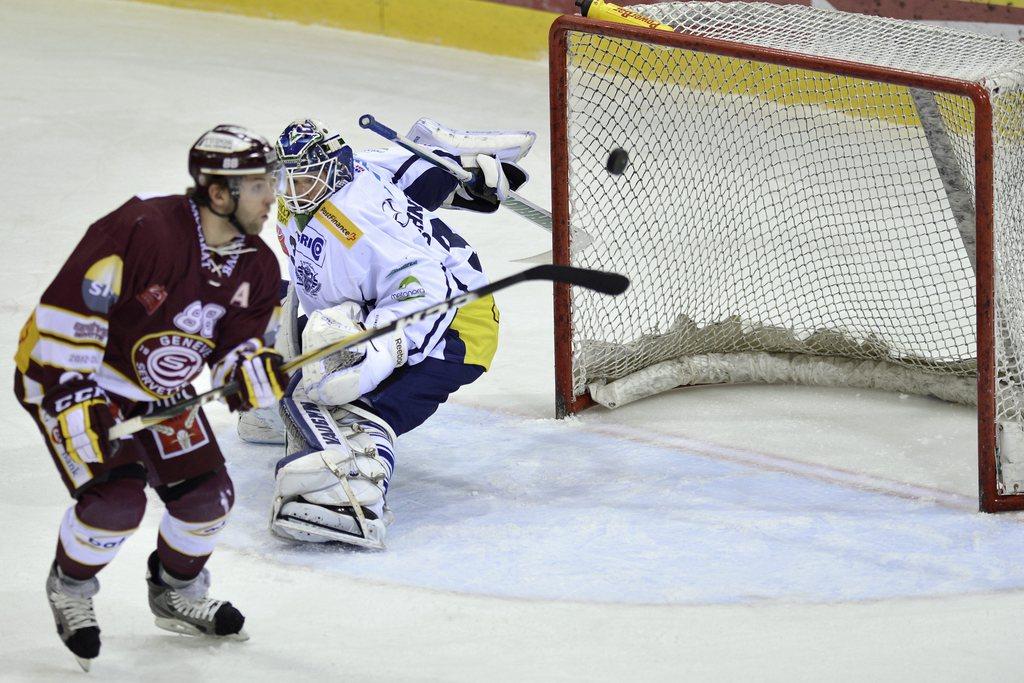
point(84, 417)
point(257, 369)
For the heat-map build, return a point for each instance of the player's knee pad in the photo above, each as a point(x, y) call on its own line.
point(332, 483)
point(206, 498)
point(117, 502)
point(106, 514)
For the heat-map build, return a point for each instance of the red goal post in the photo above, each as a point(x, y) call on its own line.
point(602, 72)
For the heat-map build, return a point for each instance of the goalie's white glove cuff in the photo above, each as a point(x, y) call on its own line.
point(493, 176)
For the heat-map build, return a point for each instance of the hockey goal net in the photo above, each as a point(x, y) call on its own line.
point(811, 196)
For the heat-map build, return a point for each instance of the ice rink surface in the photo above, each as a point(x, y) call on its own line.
point(769, 533)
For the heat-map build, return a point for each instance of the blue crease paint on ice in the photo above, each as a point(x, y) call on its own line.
point(506, 506)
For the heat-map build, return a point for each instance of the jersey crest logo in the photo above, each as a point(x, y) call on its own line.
point(152, 298)
point(306, 278)
point(164, 362)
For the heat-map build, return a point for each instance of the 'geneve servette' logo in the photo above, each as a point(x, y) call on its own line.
point(164, 362)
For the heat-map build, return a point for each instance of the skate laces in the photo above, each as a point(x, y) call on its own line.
point(190, 600)
point(77, 611)
point(201, 609)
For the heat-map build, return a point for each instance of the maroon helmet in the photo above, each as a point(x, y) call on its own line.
point(229, 152)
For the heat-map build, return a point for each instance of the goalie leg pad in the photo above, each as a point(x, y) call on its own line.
point(332, 485)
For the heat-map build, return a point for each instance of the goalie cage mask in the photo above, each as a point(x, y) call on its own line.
point(317, 163)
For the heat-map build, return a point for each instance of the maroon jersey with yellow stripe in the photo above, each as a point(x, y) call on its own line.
point(143, 303)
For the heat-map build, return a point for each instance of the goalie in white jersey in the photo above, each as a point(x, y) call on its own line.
point(365, 247)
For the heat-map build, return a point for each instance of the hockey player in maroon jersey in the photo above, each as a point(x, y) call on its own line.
point(153, 292)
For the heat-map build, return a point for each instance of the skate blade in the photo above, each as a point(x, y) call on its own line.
point(323, 534)
point(186, 629)
point(83, 662)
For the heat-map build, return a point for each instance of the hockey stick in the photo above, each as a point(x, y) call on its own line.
point(515, 202)
point(599, 281)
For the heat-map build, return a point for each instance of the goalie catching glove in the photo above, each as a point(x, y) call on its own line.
point(345, 376)
point(84, 417)
point(491, 156)
point(257, 370)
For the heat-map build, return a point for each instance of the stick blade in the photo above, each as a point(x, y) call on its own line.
point(597, 280)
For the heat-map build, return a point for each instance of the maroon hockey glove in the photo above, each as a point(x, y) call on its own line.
point(84, 417)
point(261, 380)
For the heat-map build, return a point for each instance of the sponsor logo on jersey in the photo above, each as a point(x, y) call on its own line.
point(311, 243)
point(102, 284)
point(332, 218)
point(152, 298)
point(306, 278)
point(164, 362)
point(283, 241)
point(90, 331)
point(283, 214)
point(404, 266)
point(409, 288)
point(85, 360)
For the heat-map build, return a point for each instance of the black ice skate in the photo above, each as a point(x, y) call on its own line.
point(71, 602)
point(183, 607)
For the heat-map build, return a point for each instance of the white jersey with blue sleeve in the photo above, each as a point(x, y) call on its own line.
point(371, 244)
point(423, 182)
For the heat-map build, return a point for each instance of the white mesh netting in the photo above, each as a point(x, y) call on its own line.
point(781, 224)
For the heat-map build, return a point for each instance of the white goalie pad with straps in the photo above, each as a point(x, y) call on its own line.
point(264, 425)
point(332, 484)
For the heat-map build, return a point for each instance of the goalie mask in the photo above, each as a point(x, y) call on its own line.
point(317, 163)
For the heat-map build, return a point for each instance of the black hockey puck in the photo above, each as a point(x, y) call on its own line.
point(618, 159)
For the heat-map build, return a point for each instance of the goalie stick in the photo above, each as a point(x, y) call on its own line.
point(516, 202)
point(599, 281)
